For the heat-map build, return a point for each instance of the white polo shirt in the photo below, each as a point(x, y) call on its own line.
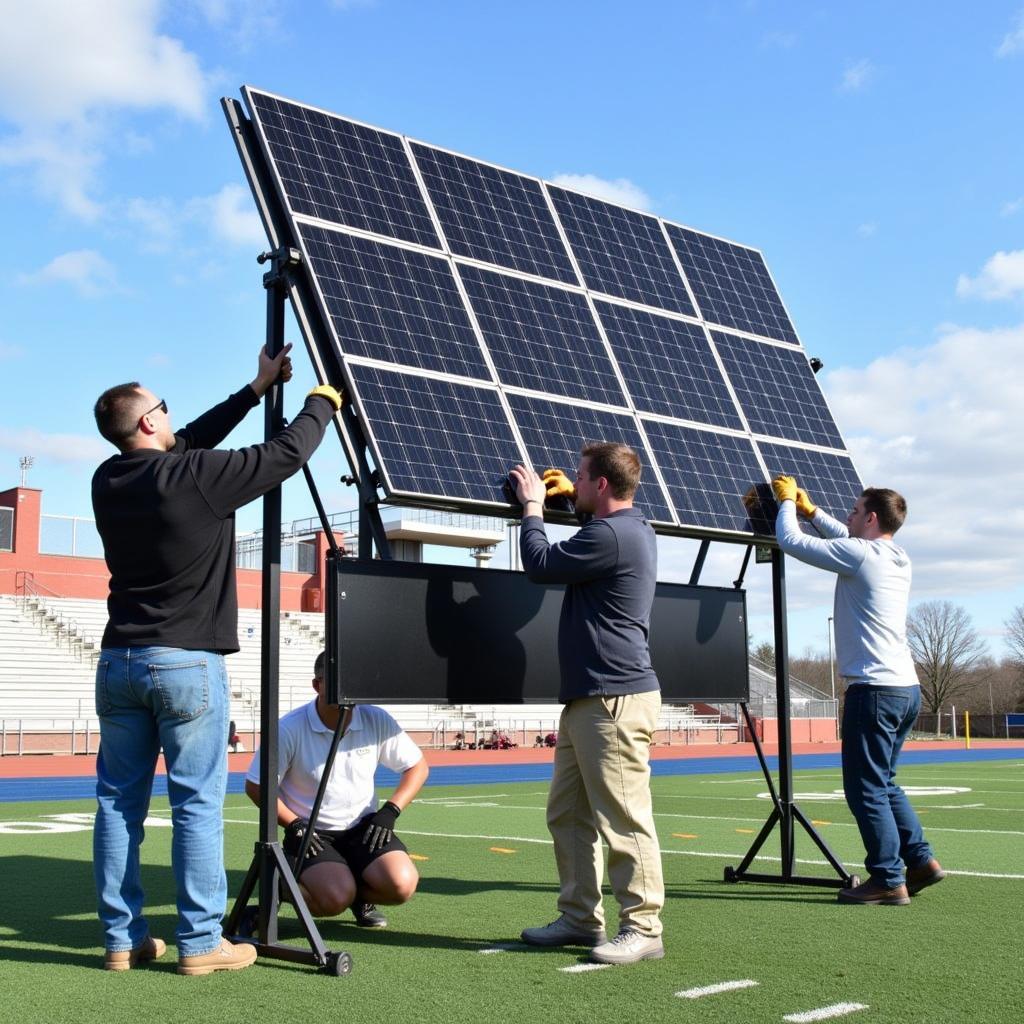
point(373, 737)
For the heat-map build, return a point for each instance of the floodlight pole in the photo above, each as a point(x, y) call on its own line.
point(785, 811)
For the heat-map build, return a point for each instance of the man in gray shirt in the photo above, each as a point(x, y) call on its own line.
point(600, 788)
point(883, 696)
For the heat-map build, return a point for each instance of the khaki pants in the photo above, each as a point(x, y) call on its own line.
point(601, 789)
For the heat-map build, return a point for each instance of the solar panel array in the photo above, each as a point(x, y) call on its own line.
point(485, 318)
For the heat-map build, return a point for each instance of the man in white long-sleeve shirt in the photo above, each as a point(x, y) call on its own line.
point(883, 696)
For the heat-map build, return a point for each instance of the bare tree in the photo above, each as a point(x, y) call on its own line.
point(1015, 642)
point(945, 648)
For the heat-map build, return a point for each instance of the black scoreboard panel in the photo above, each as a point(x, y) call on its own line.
point(462, 635)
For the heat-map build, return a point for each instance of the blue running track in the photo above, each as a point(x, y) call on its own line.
point(82, 787)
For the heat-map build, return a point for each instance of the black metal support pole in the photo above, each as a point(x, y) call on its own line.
point(698, 562)
point(782, 706)
point(785, 811)
point(269, 865)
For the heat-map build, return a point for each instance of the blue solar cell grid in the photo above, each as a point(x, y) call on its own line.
point(668, 366)
point(403, 305)
point(621, 252)
point(829, 480)
point(777, 391)
point(342, 172)
point(707, 474)
point(392, 304)
point(435, 436)
point(493, 215)
point(554, 433)
point(731, 284)
point(542, 338)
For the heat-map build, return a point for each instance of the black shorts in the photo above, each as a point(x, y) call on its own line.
point(345, 847)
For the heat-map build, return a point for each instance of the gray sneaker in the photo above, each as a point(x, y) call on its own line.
point(562, 933)
point(628, 947)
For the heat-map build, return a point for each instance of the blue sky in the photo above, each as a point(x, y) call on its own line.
point(873, 152)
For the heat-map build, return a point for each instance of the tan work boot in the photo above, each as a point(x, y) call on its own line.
point(872, 894)
point(926, 874)
point(125, 959)
point(225, 957)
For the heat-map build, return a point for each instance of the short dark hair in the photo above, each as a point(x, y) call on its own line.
point(889, 506)
point(617, 463)
point(318, 665)
point(115, 412)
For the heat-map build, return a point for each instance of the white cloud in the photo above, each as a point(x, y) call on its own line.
point(1008, 209)
point(230, 216)
point(857, 75)
point(867, 229)
point(941, 425)
point(617, 190)
point(780, 40)
point(66, 70)
point(89, 273)
point(1002, 277)
point(62, 448)
point(1013, 41)
point(244, 21)
point(157, 220)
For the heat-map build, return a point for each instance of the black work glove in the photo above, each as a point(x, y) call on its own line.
point(381, 827)
point(296, 831)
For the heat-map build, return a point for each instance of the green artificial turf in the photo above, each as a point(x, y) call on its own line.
point(954, 955)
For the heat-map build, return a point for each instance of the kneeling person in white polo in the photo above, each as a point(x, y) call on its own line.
point(354, 859)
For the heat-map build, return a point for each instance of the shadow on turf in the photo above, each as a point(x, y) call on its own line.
point(744, 892)
point(470, 886)
point(41, 894)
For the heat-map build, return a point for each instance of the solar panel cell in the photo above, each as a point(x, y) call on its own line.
point(668, 366)
point(731, 284)
point(777, 391)
point(436, 437)
point(554, 433)
point(621, 252)
point(497, 316)
point(707, 474)
point(393, 304)
point(830, 480)
point(343, 172)
point(542, 338)
point(493, 215)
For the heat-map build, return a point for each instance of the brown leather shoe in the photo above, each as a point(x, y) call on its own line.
point(225, 957)
point(870, 893)
point(125, 959)
point(921, 877)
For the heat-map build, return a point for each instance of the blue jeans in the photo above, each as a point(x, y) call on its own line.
point(876, 721)
point(148, 698)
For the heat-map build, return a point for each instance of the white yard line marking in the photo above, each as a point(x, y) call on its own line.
point(580, 968)
point(981, 874)
point(824, 1013)
point(451, 799)
point(503, 947)
point(713, 990)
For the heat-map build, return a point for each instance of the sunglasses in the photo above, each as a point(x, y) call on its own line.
point(161, 405)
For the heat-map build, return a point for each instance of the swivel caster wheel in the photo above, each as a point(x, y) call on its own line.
point(338, 965)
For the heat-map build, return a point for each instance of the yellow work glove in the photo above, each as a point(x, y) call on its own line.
point(784, 488)
point(804, 506)
point(558, 484)
point(333, 395)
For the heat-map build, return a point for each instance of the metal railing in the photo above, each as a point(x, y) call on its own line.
point(64, 629)
point(41, 734)
point(69, 535)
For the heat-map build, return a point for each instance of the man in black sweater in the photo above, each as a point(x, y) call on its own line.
point(601, 782)
point(165, 511)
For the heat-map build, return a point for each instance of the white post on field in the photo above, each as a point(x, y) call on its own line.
point(952, 715)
